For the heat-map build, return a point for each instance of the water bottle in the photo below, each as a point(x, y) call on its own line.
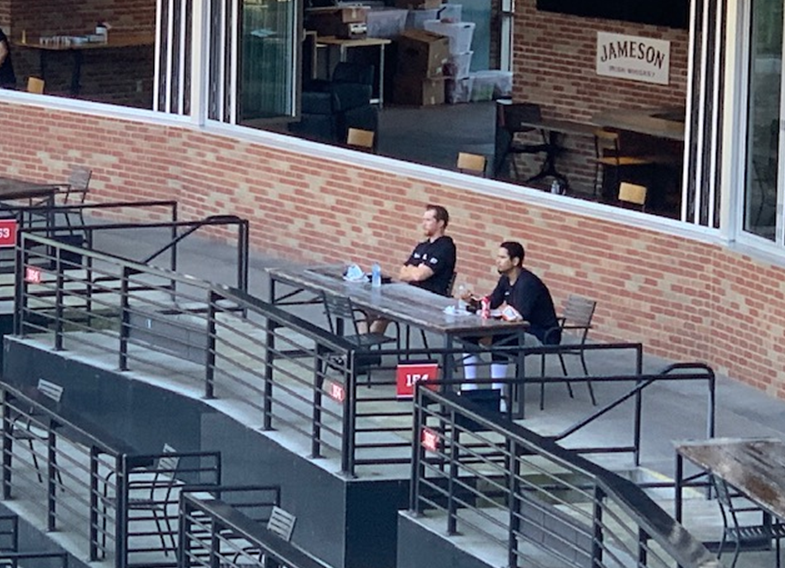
point(555, 189)
point(376, 275)
point(461, 305)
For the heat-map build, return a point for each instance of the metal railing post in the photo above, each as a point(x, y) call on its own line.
point(596, 546)
point(316, 414)
point(210, 347)
point(125, 320)
point(452, 506)
point(638, 416)
point(8, 442)
point(418, 469)
point(59, 279)
point(93, 503)
point(514, 503)
point(349, 414)
point(51, 481)
point(242, 254)
point(121, 513)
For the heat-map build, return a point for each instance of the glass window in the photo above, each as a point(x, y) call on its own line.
point(267, 68)
point(763, 119)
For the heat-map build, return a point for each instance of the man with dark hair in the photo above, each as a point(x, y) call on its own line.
point(432, 262)
point(530, 300)
point(7, 76)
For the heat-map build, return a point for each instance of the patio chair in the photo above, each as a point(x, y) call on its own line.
point(35, 85)
point(360, 139)
point(734, 532)
point(512, 119)
point(609, 155)
point(24, 428)
point(164, 477)
point(632, 195)
point(341, 308)
point(576, 321)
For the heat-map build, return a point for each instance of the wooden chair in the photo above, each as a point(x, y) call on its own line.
point(576, 317)
point(360, 139)
point(35, 85)
point(471, 163)
point(608, 154)
point(632, 194)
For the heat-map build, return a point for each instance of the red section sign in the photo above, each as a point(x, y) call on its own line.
point(336, 391)
point(32, 275)
point(409, 374)
point(429, 440)
point(7, 233)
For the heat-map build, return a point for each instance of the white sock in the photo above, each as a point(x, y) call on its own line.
point(498, 371)
point(470, 363)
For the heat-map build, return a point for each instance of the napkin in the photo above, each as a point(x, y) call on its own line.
point(354, 274)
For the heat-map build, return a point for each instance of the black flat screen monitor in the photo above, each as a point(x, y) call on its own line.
point(670, 13)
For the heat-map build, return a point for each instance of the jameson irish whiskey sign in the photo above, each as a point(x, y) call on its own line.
point(633, 57)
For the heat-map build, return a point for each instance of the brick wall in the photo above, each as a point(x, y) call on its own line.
point(554, 65)
point(685, 300)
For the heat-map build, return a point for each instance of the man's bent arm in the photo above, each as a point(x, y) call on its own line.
point(417, 273)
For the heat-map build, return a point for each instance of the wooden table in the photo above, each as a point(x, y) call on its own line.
point(11, 188)
point(756, 467)
point(665, 122)
point(344, 45)
point(396, 301)
point(116, 40)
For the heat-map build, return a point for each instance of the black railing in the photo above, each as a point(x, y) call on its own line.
point(474, 472)
point(214, 532)
point(73, 476)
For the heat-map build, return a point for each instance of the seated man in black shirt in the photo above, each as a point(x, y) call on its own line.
point(432, 262)
point(523, 290)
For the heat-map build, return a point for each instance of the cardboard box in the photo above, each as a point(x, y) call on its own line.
point(345, 22)
point(418, 4)
point(419, 91)
point(422, 53)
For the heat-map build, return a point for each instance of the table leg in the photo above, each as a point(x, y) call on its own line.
point(42, 56)
point(76, 74)
point(381, 76)
point(548, 168)
point(448, 362)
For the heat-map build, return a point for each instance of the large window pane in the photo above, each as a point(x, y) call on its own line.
point(267, 60)
point(760, 199)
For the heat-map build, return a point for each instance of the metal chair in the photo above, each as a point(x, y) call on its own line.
point(281, 523)
point(734, 531)
point(164, 478)
point(609, 154)
point(512, 119)
point(576, 317)
point(341, 309)
point(24, 428)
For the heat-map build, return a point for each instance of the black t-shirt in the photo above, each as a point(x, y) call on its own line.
point(7, 76)
point(439, 255)
point(532, 299)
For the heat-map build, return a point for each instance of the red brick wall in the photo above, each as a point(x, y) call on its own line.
point(554, 65)
point(685, 299)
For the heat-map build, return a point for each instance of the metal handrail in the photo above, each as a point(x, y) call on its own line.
point(76, 477)
point(214, 531)
point(470, 465)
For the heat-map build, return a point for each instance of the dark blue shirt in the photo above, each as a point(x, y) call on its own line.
point(531, 297)
point(439, 256)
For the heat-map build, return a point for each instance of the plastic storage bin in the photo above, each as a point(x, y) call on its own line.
point(386, 23)
point(460, 33)
point(459, 90)
point(416, 18)
point(491, 84)
point(458, 65)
